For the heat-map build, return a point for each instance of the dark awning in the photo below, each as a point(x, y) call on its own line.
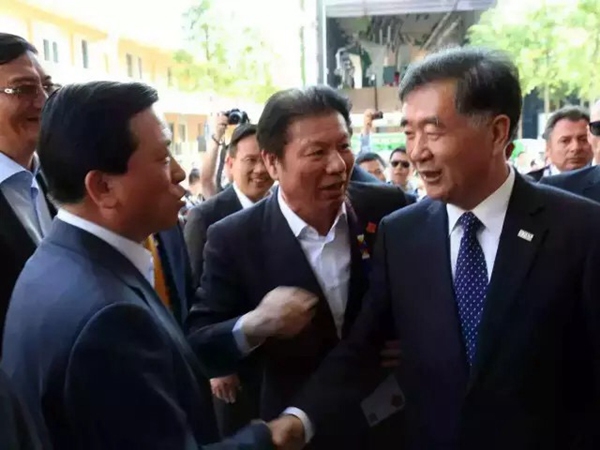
point(361, 8)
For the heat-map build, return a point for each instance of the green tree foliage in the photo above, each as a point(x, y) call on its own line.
point(220, 58)
point(555, 44)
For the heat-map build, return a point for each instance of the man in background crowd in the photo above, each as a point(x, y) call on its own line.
point(372, 163)
point(25, 211)
point(585, 181)
point(567, 146)
point(401, 170)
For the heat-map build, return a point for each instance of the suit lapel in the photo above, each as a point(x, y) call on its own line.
point(44, 186)
point(591, 185)
point(230, 201)
point(97, 250)
point(513, 261)
point(174, 271)
point(287, 263)
point(358, 270)
point(13, 231)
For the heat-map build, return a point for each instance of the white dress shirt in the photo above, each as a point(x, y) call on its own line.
point(133, 251)
point(329, 257)
point(21, 189)
point(244, 201)
point(491, 212)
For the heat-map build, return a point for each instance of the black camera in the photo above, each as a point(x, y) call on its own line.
point(236, 117)
point(377, 115)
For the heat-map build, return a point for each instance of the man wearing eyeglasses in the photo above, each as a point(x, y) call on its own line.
point(25, 211)
point(586, 181)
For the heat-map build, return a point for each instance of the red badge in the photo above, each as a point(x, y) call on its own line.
point(371, 227)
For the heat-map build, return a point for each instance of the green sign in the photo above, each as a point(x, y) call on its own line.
point(381, 142)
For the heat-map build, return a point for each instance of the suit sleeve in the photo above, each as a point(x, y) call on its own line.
point(340, 382)
point(219, 303)
point(16, 427)
point(591, 319)
point(195, 239)
point(121, 388)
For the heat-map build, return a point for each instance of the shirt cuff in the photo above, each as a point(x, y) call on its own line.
point(240, 338)
point(309, 431)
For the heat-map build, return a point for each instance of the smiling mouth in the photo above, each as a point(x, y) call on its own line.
point(430, 176)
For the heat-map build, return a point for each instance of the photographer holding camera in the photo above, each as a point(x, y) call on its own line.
point(365, 135)
point(214, 158)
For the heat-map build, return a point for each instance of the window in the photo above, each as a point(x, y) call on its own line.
point(55, 51)
point(182, 132)
point(47, 56)
point(129, 60)
point(140, 71)
point(85, 59)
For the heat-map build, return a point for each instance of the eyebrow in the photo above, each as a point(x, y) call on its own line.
point(22, 78)
point(431, 120)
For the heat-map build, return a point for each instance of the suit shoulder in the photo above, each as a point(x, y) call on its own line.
point(245, 219)
point(568, 178)
point(378, 191)
point(416, 212)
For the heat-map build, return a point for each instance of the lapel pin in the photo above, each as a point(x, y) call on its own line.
point(525, 235)
point(371, 227)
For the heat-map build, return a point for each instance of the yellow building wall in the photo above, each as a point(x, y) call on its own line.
point(107, 59)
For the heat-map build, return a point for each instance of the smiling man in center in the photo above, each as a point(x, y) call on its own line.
point(315, 233)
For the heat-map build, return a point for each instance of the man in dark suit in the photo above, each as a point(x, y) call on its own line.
point(491, 283)
point(567, 146)
point(16, 427)
point(237, 395)
point(89, 345)
point(251, 183)
point(25, 211)
point(586, 181)
point(315, 233)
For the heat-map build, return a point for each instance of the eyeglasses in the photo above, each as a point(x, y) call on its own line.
point(403, 164)
point(31, 90)
point(595, 128)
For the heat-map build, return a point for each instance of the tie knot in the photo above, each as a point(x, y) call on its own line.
point(470, 223)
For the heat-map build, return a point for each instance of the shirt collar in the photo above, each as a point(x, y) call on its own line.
point(9, 167)
point(297, 225)
point(133, 251)
point(245, 201)
point(491, 211)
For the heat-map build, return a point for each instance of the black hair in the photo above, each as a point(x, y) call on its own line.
point(369, 156)
point(86, 127)
point(13, 47)
point(400, 149)
point(241, 132)
point(194, 176)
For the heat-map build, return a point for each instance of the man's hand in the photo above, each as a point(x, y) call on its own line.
point(287, 433)
point(219, 126)
point(225, 388)
point(390, 355)
point(283, 312)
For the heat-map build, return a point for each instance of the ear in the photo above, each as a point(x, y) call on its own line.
point(229, 161)
point(501, 133)
point(102, 188)
point(271, 163)
point(509, 149)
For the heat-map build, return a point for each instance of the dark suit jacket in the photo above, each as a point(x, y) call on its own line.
point(16, 427)
point(537, 175)
point(254, 251)
point(362, 176)
point(98, 358)
point(16, 246)
point(200, 218)
point(535, 380)
point(178, 276)
point(584, 182)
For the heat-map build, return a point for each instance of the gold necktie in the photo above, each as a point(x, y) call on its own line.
point(160, 284)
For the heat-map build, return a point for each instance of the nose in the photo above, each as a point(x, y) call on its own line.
point(417, 149)
point(335, 163)
point(259, 168)
point(177, 172)
point(40, 98)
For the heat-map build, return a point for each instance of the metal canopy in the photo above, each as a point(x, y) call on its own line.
point(362, 8)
